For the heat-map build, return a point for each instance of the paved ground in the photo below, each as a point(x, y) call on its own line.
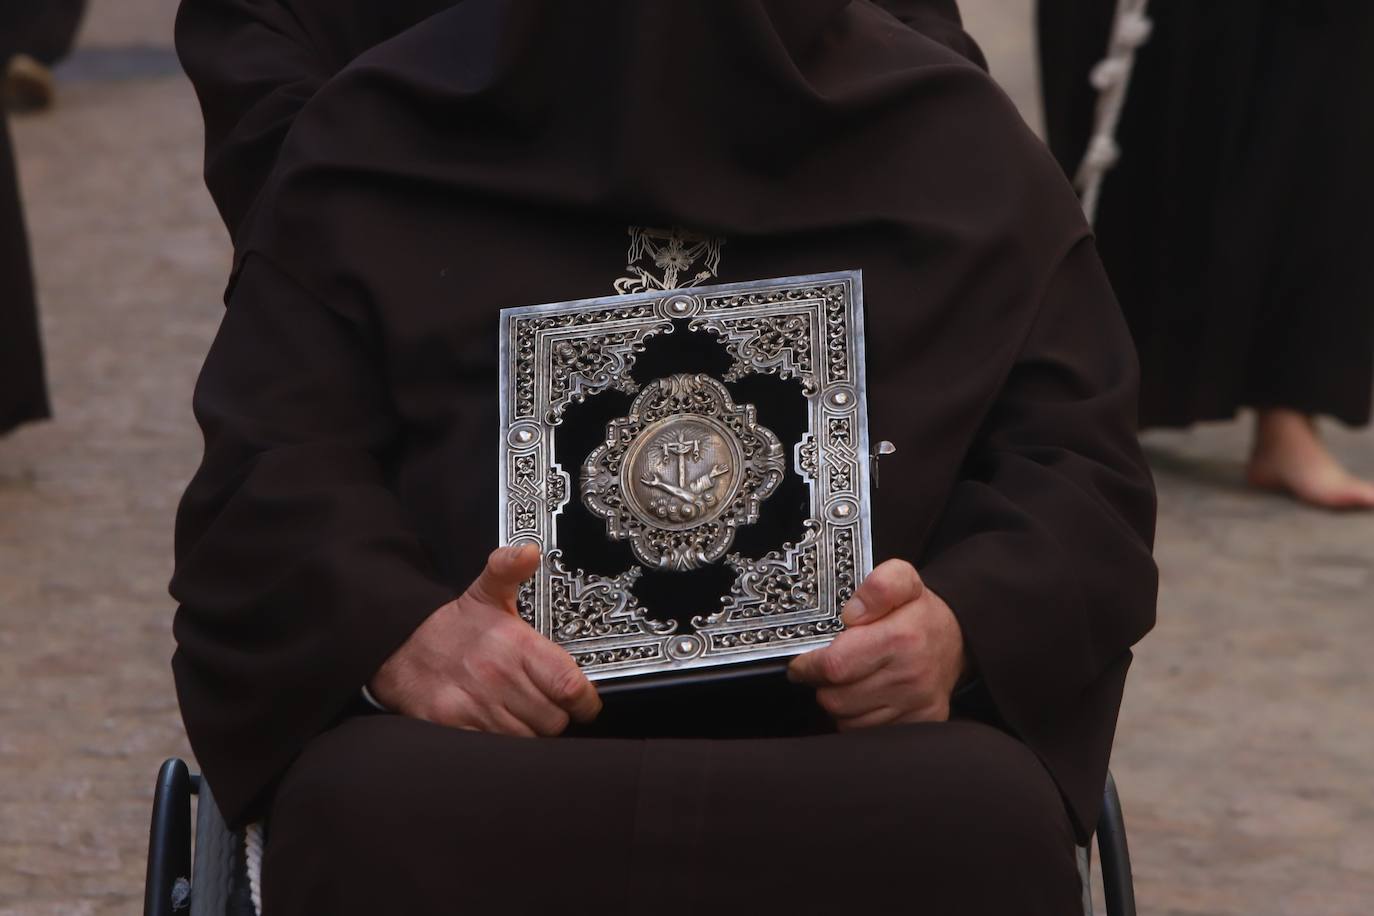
point(1247, 732)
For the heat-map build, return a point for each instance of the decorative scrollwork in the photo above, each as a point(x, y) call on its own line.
point(806, 456)
point(775, 346)
point(782, 581)
point(523, 497)
point(524, 601)
point(557, 487)
point(735, 640)
point(610, 658)
point(580, 364)
point(765, 343)
point(842, 466)
point(845, 572)
point(592, 364)
point(836, 336)
point(587, 606)
point(840, 432)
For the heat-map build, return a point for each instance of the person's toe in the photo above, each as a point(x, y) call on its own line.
point(1343, 491)
point(1364, 495)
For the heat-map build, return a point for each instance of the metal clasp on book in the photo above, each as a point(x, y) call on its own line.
point(882, 448)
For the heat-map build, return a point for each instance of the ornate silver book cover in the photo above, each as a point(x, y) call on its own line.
point(681, 466)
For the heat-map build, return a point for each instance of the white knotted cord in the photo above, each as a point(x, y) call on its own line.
point(1111, 78)
point(252, 855)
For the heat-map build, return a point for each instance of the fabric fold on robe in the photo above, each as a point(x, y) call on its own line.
point(493, 155)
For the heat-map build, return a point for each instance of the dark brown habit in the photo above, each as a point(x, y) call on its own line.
point(255, 64)
point(493, 154)
point(45, 31)
point(23, 392)
point(1235, 228)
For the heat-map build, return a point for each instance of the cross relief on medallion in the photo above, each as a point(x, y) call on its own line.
point(679, 473)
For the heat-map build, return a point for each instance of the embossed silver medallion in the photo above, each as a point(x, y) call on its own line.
point(686, 467)
point(678, 474)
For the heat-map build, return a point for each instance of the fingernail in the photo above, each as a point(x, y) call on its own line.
point(853, 612)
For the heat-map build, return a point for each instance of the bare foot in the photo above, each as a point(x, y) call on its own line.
point(1289, 456)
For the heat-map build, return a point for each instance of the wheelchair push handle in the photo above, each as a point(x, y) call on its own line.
point(167, 886)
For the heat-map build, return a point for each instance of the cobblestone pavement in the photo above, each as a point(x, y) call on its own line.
point(1247, 732)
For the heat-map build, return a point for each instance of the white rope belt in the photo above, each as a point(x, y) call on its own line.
point(252, 856)
point(1112, 78)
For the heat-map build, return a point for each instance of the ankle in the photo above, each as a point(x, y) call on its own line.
point(1278, 428)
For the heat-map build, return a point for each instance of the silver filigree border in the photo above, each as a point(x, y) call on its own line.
point(807, 328)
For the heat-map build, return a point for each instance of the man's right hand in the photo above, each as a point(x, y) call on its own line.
point(475, 664)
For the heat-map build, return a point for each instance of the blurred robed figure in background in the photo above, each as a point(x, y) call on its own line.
point(1236, 225)
point(23, 392)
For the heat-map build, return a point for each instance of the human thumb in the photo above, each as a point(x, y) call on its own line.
point(506, 570)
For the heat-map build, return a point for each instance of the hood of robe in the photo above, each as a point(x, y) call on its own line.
point(730, 117)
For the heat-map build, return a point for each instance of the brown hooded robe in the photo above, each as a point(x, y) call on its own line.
point(493, 154)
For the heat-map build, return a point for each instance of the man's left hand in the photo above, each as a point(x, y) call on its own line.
point(898, 660)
